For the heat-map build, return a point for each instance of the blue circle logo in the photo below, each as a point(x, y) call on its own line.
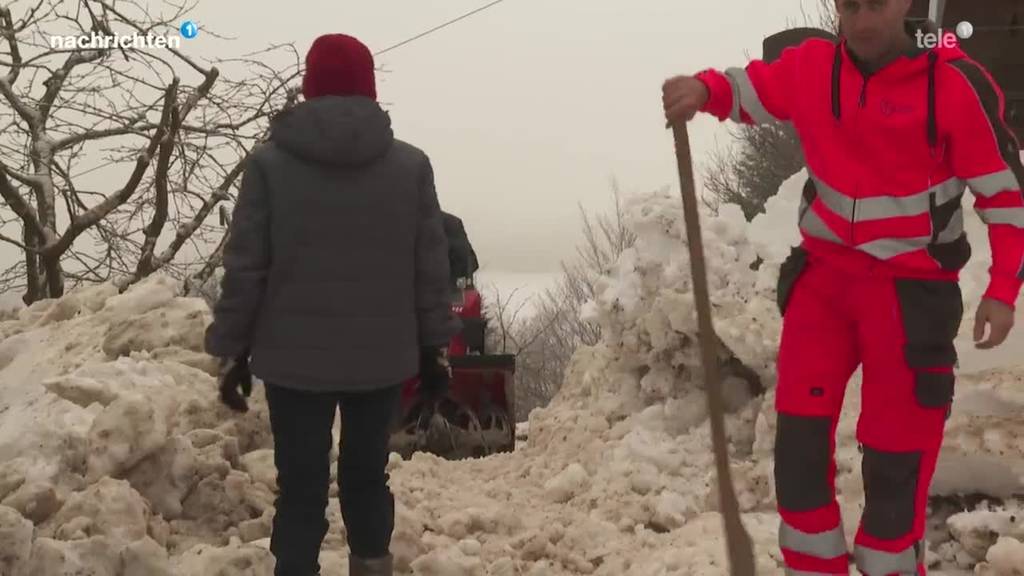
point(189, 29)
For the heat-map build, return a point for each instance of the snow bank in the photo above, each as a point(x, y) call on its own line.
point(615, 476)
point(113, 444)
point(118, 457)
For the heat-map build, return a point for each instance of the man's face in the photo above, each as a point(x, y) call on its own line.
point(872, 27)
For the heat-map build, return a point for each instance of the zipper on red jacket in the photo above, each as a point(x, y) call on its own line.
point(853, 217)
point(856, 192)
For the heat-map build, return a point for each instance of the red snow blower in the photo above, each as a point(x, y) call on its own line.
point(477, 416)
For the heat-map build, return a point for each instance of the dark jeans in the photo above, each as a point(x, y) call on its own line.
point(302, 423)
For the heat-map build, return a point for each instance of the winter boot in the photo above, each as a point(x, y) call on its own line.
point(382, 566)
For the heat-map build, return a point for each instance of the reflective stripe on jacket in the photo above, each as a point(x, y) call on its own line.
point(890, 154)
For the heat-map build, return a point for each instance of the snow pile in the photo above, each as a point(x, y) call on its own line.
point(645, 303)
point(615, 477)
point(115, 450)
point(119, 460)
point(991, 539)
point(775, 230)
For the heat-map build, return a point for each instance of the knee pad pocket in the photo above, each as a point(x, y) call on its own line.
point(803, 459)
point(890, 488)
point(932, 311)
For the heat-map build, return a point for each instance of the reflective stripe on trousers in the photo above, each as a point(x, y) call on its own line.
point(878, 563)
point(825, 545)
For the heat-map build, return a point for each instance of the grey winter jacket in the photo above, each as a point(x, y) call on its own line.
point(336, 266)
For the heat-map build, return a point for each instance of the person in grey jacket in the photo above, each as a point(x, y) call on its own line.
point(335, 288)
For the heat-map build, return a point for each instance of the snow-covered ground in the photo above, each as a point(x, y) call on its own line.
point(118, 461)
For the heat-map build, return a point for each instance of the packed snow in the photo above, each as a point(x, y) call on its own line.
point(119, 461)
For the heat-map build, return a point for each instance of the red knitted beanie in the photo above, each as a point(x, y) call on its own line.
point(339, 65)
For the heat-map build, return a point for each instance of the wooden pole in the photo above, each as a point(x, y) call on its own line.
point(739, 545)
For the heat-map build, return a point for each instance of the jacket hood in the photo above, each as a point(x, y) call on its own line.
point(336, 130)
point(914, 62)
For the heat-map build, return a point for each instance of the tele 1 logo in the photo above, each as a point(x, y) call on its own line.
point(944, 39)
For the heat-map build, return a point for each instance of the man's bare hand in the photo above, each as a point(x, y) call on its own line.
point(682, 97)
point(999, 318)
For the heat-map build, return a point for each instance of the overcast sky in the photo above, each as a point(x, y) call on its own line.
point(529, 108)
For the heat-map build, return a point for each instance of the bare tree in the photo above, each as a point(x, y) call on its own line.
point(605, 238)
point(750, 172)
point(762, 156)
point(825, 17)
point(181, 129)
point(545, 330)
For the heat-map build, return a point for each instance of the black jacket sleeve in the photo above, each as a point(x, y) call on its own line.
point(246, 267)
point(437, 323)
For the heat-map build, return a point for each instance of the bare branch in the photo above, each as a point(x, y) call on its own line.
point(163, 165)
point(29, 17)
point(215, 260)
point(55, 82)
point(98, 212)
point(33, 275)
point(109, 7)
point(19, 245)
point(26, 179)
point(185, 231)
point(545, 327)
point(69, 141)
point(7, 30)
point(17, 203)
point(201, 92)
point(28, 114)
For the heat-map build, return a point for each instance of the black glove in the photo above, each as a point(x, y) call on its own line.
point(235, 382)
point(435, 373)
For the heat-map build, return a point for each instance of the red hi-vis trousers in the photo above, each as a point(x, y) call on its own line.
point(839, 313)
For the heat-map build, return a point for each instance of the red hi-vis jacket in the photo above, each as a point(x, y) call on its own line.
point(890, 154)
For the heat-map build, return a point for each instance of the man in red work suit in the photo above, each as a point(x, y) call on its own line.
point(893, 135)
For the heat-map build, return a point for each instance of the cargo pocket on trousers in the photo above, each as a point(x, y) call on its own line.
point(932, 311)
point(789, 273)
point(934, 389)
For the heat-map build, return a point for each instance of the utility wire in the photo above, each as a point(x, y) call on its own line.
point(439, 27)
point(402, 43)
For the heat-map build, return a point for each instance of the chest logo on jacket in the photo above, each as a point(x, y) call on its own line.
point(890, 108)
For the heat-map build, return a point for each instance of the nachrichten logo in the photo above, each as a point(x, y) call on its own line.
point(135, 40)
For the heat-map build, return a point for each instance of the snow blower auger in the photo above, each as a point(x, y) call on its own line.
point(738, 543)
point(477, 416)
